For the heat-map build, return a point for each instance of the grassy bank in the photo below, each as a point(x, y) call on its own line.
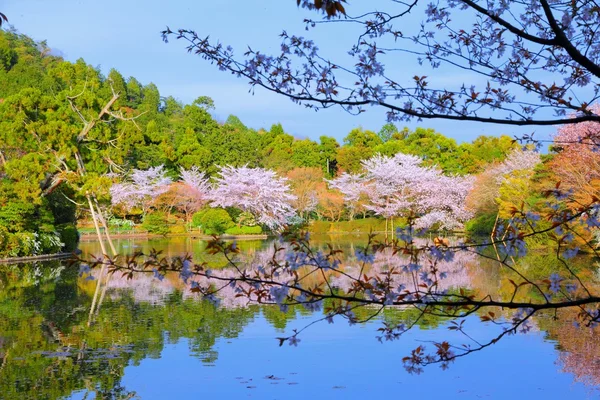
point(318, 227)
point(354, 226)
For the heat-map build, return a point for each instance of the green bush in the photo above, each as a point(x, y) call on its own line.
point(17, 216)
point(213, 221)
point(244, 230)
point(245, 219)
point(69, 236)
point(21, 244)
point(177, 229)
point(481, 225)
point(50, 243)
point(357, 225)
point(156, 223)
point(122, 224)
point(24, 244)
point(4, 235)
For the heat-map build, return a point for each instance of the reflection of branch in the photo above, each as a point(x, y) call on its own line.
point(446, 358)
point(134, 268)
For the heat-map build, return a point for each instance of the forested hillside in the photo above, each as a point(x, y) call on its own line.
point(66, 130)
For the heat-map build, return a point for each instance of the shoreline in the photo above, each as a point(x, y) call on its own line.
point(42, 257)
point(94, 237)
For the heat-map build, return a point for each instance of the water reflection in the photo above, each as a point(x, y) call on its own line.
point(47, 351)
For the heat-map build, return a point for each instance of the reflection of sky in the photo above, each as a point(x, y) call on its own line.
point(338, 361)
point(528, 362)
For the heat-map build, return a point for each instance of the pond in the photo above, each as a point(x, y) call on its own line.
point(152, 339)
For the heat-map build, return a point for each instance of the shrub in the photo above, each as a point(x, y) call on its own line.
point(244, 230)
point(177, 229)
point(125, 224)
point(22, 244)
point(156, 223)
point(17, 216)
point(245, 219)
point(4, 235)
point(50, 243)
point(481, 225)
point(69, 236)
point(213, 221)
point(357, 225)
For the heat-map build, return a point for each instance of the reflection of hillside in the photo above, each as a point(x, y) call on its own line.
point(44, 337)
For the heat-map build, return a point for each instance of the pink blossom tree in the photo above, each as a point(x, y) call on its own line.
point(142, 188)
point(577, 164)
point(196, 180)
point(255, 190)
point(402, 186)
point(518, 160)
point(394, 183)
point(443, 202)
point(191, 192)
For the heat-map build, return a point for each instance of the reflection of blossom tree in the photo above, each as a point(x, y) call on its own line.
point(140, 287)
point(579, 352)
point(455, 272)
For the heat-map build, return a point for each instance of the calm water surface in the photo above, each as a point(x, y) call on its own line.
point(155, 340)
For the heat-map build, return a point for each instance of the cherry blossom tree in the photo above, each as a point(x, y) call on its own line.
point(444, 202)
point(394, 184)
point(352, 187)
point(255, 190)
point(191, 192)
point(197, 181)
point(402, 186)
point(483, 198)
point(577, 164)
point(141, 189)
point(516, 63)
point(516, 161)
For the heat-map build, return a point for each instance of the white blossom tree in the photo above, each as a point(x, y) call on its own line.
point(196, 180)
point(258, 191)
point(141, 189)
point(401, 186)
point(352, 187)
point(443, 202)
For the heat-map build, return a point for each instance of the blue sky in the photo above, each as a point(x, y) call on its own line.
point(125, 35)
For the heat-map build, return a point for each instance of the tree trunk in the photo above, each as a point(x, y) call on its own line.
point(493, 234)
point(386, 229)
point(104, 257)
